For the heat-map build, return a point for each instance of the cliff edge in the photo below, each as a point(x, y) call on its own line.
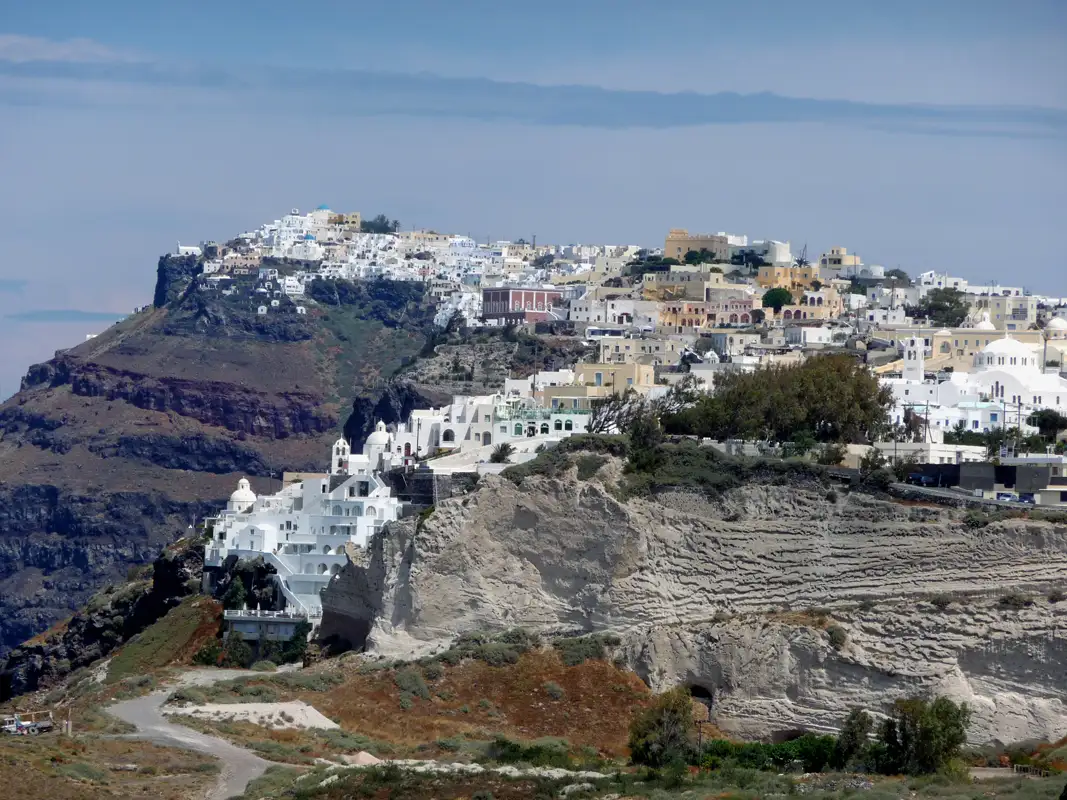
point(782, 599)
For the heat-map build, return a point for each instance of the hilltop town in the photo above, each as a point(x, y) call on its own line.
point(450, 456)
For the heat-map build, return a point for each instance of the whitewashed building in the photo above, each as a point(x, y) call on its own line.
point(303, 529)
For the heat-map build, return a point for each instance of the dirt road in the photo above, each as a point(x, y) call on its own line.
point(239, 766)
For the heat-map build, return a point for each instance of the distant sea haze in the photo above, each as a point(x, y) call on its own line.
point(366, 93)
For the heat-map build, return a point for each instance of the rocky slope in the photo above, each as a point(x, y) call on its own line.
point(782, 600)
point(115, 446)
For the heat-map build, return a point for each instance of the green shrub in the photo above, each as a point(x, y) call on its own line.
point(546, 752)
point(663, 733)
point(209, 654)
point(588, 465)
point(838, 636)
point(1015, 600)
point(810, 751)
point(259, 692)
point(920, 738)
point(188, 694)
point(307, 681)
point(405, 701)
point(497, 655)
point(554, 690)
point(264, 666)
point(577, 650)
point(235, 652)
point(941, 601)
point(433, 671)
point(410, 682)
point(853, 738)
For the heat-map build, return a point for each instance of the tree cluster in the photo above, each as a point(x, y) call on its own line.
point(832, 398)
point(947, 308)
point(917, 737)
point(379, 224)
point(776, 298)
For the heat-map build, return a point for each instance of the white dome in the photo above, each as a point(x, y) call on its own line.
point(999, 353)
point(1056, 324)
point(244, 493)
point(985, 324)
point(380, 437)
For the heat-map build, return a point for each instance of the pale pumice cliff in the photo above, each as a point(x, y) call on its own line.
point(735, 596)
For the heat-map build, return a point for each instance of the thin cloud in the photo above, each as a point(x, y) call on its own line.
point(64, 315)
point(11, 286)
point(370, 93)
point(18, 49)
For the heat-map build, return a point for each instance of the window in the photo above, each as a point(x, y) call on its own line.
point(558, 425)
point(518, 429)
point(568, 425)
point(598, 379)
point(974, 425)
point(448, 436)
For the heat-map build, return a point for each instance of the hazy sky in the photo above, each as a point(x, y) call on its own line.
point(922, 135)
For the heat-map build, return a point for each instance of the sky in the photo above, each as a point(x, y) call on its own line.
point(920, 135)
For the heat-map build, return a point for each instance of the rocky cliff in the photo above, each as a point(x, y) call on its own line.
point(784, 599)
point(115, 446)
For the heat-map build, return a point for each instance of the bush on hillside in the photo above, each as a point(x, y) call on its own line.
point(663, 733)
point(577, 650)
point(920, 737)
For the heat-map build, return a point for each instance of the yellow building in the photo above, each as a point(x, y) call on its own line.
point(679, 241)
point(824, 303)
point(594, 381)
point(838, 258)
point(696, 283)
point(787, 277)
point(646, 350)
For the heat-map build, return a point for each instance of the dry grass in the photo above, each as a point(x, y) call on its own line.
point(473, 698)
point(168, 641)
point(473, 701)
point(52, 767)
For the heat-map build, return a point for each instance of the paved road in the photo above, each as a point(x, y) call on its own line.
point(239, 766)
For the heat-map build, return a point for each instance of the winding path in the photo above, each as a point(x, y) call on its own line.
point(239, 766)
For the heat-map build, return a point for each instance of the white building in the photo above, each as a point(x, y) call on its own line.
point(1004, 388)
point(303, 529)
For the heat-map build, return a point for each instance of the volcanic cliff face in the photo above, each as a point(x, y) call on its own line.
point(785, 602)
point(114, 447)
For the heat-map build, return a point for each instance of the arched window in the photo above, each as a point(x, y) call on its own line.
point(448, 436)
point(487, 438)
point(372, 511)
point(337, 511)
point(326, 550)
point(819, 303)
point(787, 315)
point(518, 429)
point(945, 347)
point(558, 424)
point(544, 428)
point(568, 426)
point(334, 569)
point(322, 569)
point(407, 448)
